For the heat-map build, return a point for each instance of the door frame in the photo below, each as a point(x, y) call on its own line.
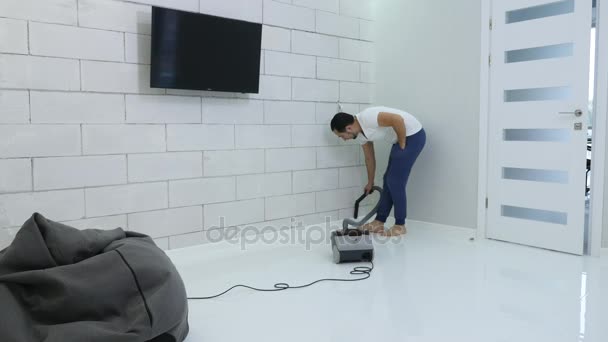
point(596, 207)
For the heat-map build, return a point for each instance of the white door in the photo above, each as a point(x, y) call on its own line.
point(539, 84)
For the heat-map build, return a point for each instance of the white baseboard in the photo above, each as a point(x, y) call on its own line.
point(444, 227)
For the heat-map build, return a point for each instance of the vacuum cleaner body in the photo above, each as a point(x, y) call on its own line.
point(354, 246)
point(351, 244)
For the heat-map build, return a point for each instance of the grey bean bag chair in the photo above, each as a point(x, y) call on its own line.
point(60, 284)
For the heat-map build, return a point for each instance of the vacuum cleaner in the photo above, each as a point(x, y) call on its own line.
point(352, 244)
point(349, 245)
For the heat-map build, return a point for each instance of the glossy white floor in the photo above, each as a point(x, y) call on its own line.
point(435, 285)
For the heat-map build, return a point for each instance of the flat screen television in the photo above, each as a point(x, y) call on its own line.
point(203, 52)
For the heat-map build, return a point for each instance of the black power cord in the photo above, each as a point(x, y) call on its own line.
point(364, 271)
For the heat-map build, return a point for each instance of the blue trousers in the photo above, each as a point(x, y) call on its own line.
point(400, 165)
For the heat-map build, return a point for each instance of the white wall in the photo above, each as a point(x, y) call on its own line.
point(605, 209)
point(428, 64)
point(605, 225)
point(84, 140)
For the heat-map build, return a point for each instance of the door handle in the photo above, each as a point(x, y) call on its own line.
point(577, 113)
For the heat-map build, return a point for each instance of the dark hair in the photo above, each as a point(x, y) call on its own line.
point(340, 121)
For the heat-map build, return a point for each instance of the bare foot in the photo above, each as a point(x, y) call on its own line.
point(395, 231)
point(374, 227)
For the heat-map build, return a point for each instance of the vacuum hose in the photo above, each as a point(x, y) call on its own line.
point(353, 222)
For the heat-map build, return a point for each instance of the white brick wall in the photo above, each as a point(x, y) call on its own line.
point(276, 38)
point(314, 135)
point(62, 107)
point(137, 48)
point(368, 74)
point(315, 180)
point(314, 44)
point(199, 137)
point(151, 167)
point(295, 17)
point(39, 140)
point(237, 162)
point(163, 109)
point(52, 11)
point(84, 139)
point(14, 106)
point(264, 185)
point(111, 139)
point(337, 199)
point(357, 8)
point(15, 175)
point(290, 159)
point(123, 199)
point(356, 50)
point(284, 112)
point(31, 72)
point(353, 176)
point(287, 64)
point(336, 25)
point(258, 136)
point(60, 205)
point(201, 191)
point(291, 205)
point(186, 240)
point(366, 30)
point(115, 15)
point(324, 5)
point(355, 92)
point(117, 78)
point(233, 213)
point(315, 90)
point(248, 10)
point(324, 112)
point(337, 69)
point(75, 42)
point(13, 36)
point(273, 88)
point(186, 5)
point(338, 156)
point(77, 172)
point(167, 222)
point(232, 111)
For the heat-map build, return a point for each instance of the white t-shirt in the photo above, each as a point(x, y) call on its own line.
point(368, 119)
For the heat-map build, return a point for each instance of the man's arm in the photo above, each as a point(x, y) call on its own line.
point(397, 123)
point(370, 163)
